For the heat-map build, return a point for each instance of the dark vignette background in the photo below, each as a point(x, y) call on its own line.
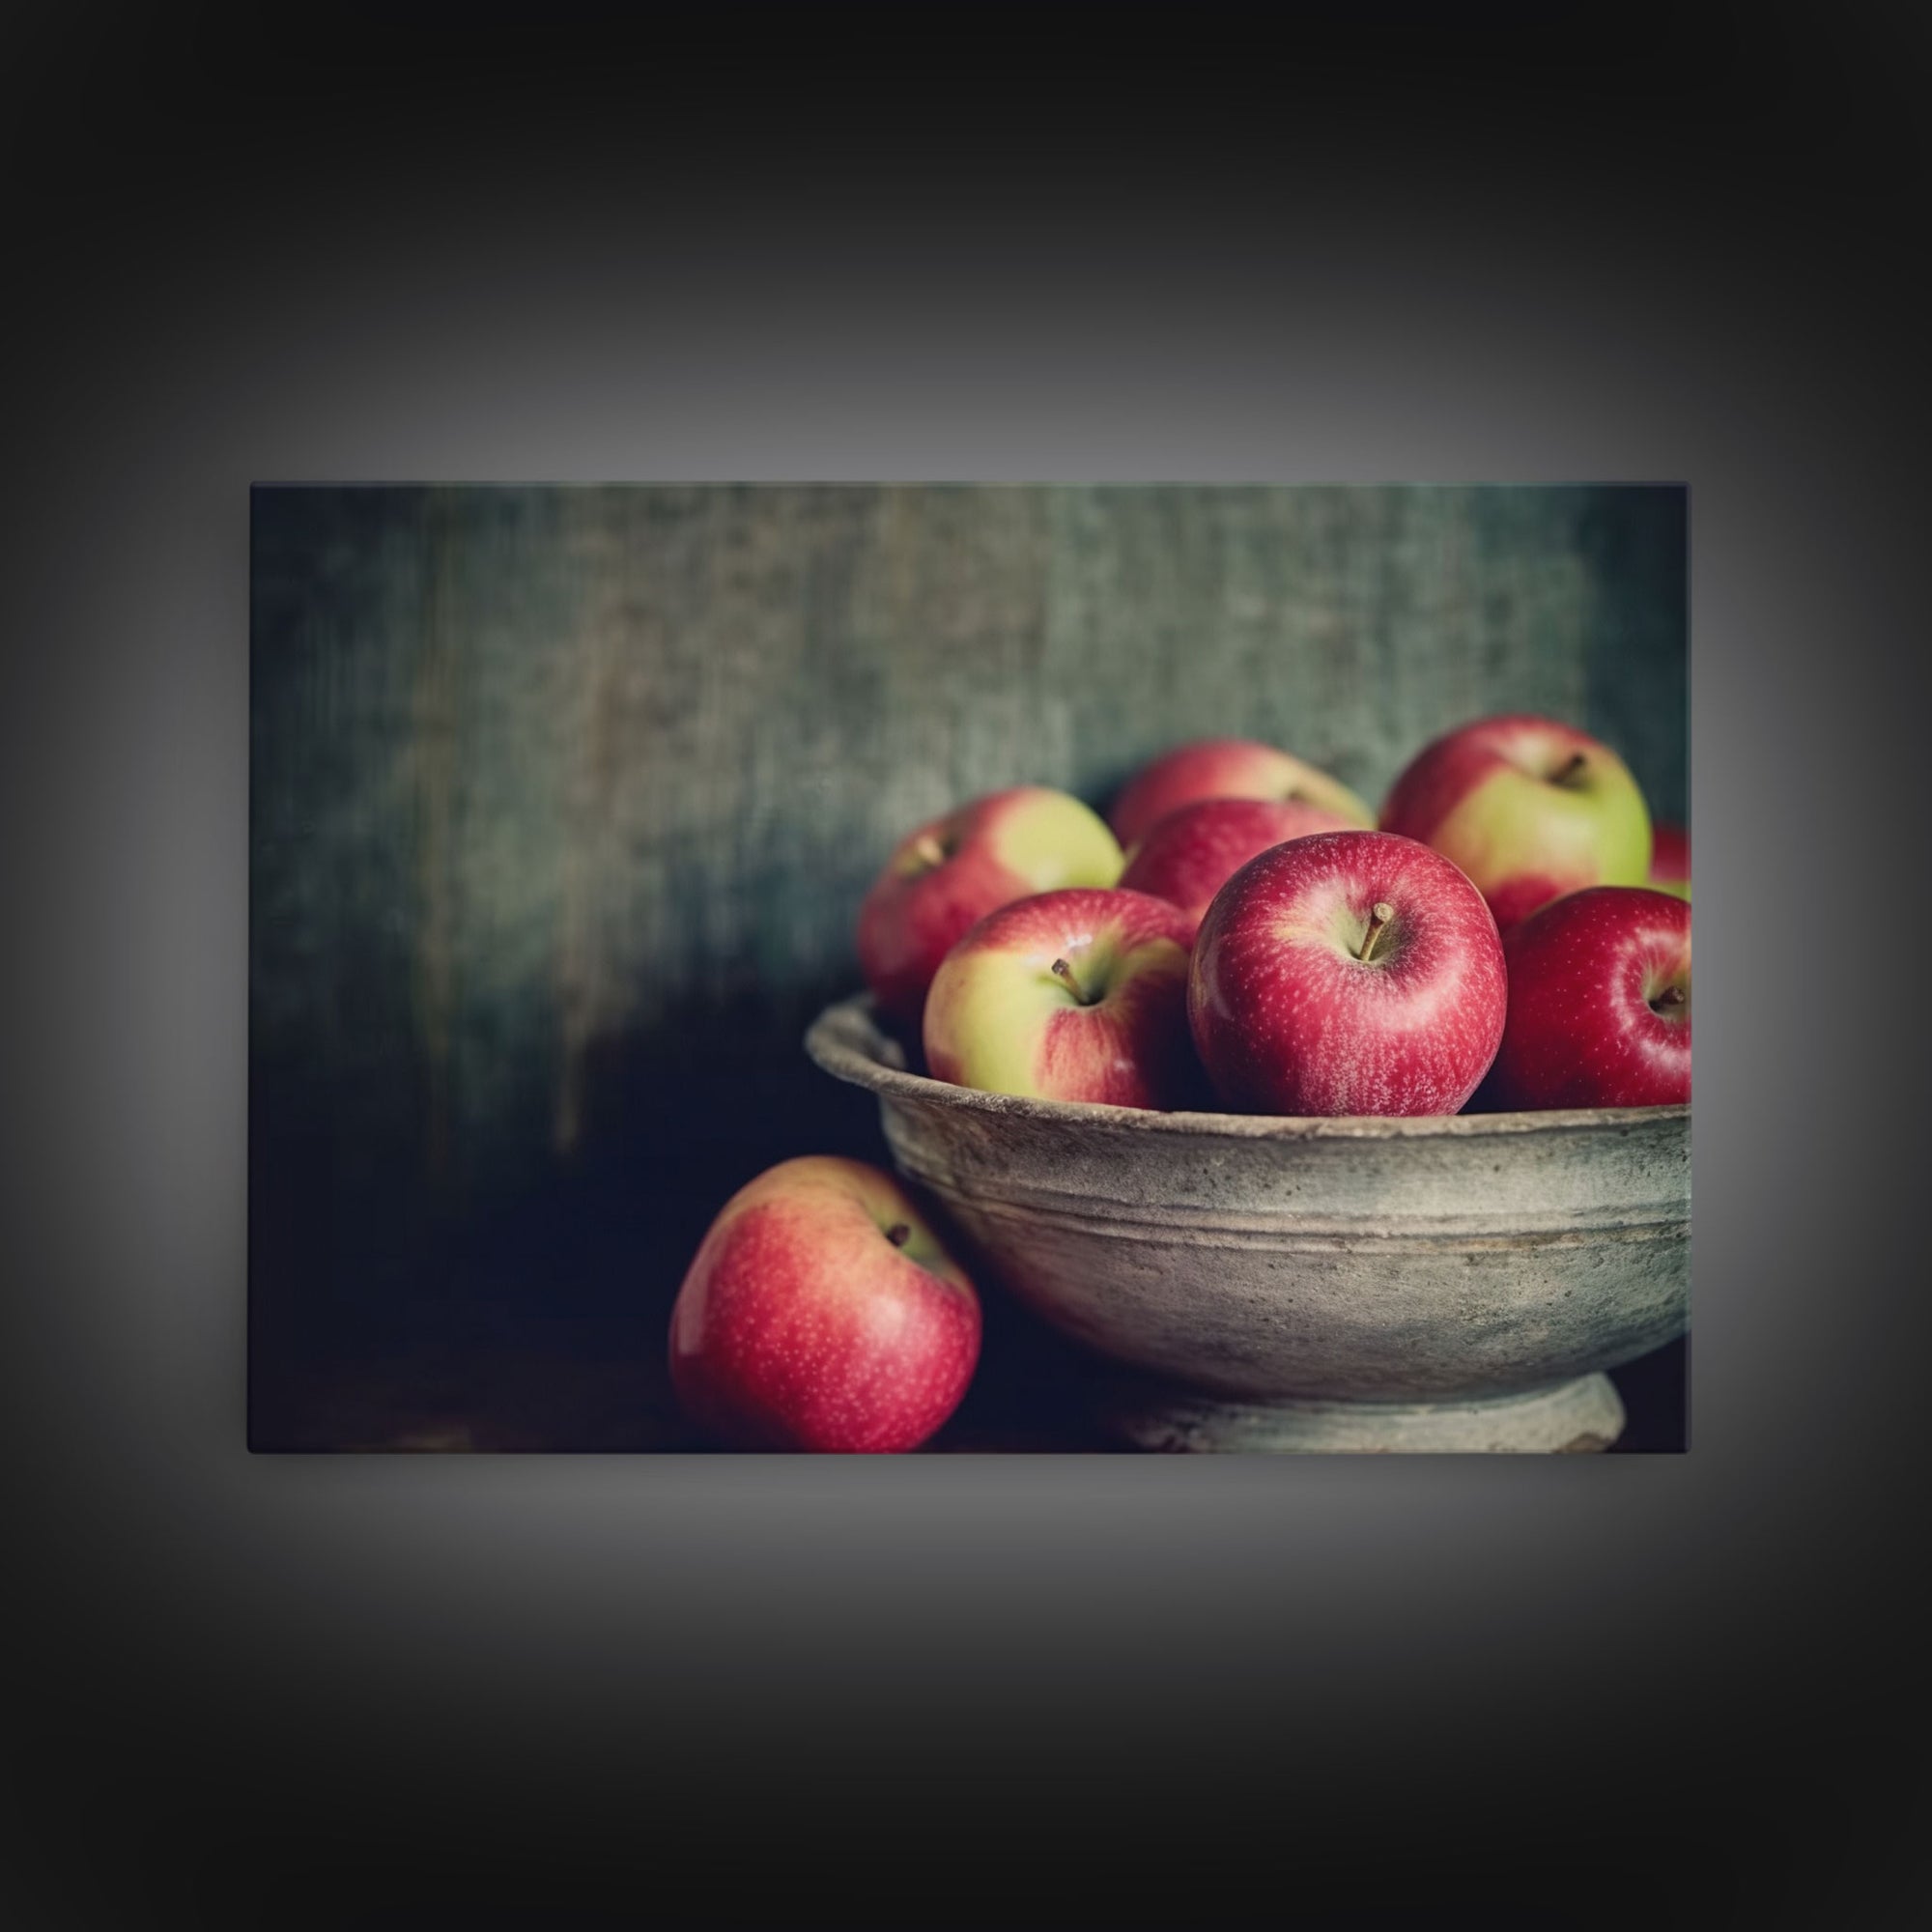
point(1648, 244)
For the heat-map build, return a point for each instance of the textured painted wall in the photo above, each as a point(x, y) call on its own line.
point(564, 799)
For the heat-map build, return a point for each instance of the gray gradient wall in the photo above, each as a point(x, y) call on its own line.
point(542, 777)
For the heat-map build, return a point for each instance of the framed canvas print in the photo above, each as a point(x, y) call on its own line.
point(968, 968)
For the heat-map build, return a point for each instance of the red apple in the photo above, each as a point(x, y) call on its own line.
point(956, 869)
point(1068, 996)
point(1348, 972)
point(1670, 860)
point(1226, 768)
point(1599, 1004)
point(821, 1312)
point(1528, 808)
point(1188, 856)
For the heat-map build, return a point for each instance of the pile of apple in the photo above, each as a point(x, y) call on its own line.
point(1242, 931)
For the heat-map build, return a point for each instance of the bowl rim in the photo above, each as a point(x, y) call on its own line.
point(836, 1041)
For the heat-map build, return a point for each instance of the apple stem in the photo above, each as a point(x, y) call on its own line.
point(1380, 916)
point(928, 850)
point(1577, 763)
point(898, 1234)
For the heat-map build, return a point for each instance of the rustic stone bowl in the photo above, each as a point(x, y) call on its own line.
point(1457, 1282)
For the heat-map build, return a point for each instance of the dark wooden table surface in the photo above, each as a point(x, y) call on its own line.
point(600, 1387)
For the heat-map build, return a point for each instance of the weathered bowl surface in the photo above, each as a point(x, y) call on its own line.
point(1446, 1259)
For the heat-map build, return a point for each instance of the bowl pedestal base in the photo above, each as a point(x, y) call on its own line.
point(1569, 1418)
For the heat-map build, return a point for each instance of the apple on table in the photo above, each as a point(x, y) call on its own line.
point(1226, 768)
point(822, 1312)
point(1348, 972)
point(1599, 1004)
point(1074, 995)
point(1529, 808)
point(952, 872)
point(1191, 853)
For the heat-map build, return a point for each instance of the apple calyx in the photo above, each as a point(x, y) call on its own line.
point(1379, 915)
point(1668, 1002)
point(898, 1234)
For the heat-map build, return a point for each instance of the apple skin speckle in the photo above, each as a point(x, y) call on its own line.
point(1589, 1025)
point(1191, 853)
point(1289, 1020)
point(801, 1324)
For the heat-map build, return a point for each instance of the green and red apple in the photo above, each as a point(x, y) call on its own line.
point(1226, 768)
point(951, 872)
point(1670, 860)
point(822, 1312)
point(1528, 808)
point(1076, 995)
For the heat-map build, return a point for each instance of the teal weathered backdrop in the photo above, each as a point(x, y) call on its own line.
point(564, 798)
